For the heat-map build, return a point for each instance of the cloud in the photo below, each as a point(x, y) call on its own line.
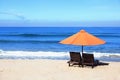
point(15, 14)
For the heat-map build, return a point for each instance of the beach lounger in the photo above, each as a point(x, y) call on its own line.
point(88, 59)
point(75, 59)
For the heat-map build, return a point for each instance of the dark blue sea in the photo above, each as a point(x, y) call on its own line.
point(43, 42)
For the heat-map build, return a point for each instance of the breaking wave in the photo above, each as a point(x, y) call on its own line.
point(52, 55)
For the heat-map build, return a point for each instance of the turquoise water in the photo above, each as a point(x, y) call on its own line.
point(41, 41)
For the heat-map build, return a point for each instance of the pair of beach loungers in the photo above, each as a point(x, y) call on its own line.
point(84, 60)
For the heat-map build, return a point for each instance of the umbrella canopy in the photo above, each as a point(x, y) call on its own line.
point(82, 38)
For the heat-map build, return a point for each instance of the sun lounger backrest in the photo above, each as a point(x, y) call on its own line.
point(88, 58)
point(75, 56)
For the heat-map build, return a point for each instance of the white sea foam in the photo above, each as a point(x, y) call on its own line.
point(48, 54)
point(31, 54)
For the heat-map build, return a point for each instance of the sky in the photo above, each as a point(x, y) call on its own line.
point(88, 13)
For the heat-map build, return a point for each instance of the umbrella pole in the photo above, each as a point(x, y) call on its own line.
point(82, 49)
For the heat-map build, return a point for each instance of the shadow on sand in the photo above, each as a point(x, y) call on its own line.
point(102, 63)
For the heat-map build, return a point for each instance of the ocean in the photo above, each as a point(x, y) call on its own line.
point(43, 43)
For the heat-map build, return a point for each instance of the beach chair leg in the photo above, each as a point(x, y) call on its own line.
point(79, 64)
point(82, 65)
point(92, 66)
point(69, 64)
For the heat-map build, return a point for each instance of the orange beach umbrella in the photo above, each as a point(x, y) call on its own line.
point(82, 38)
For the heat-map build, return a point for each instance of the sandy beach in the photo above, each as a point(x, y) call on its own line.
point(55, 70)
